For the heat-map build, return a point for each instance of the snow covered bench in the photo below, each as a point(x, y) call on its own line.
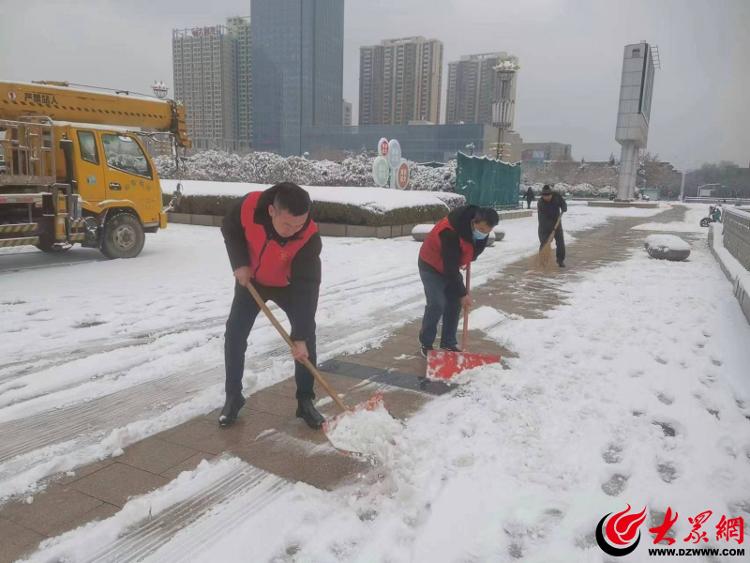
point(667, 247)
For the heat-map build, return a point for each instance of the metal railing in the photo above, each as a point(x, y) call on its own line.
point(27, 150)
point(737, 234)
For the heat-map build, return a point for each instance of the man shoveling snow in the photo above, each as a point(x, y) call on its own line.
point(274, 245)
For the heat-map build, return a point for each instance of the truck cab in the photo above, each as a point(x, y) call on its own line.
point(114, 175)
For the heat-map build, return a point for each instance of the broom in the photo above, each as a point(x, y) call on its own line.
point(545, 258)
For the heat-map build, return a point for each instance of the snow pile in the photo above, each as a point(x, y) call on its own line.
point(669, 247)
point(666, 242)
point(485, 318)
point(269, 168)
point(372, 433)
point(422, 230)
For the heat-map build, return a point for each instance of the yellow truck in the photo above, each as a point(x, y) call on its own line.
point(74, 168)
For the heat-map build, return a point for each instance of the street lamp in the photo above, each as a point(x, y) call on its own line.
point(502, 107)
point(160, 89)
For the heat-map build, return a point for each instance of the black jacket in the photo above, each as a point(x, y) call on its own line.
point(530, 195)
point(548, 212)
point(304, 284)
point(460, 219)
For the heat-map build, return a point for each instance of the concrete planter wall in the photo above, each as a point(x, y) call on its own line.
point(326, 229)
point(741, 286)
point(737, 235)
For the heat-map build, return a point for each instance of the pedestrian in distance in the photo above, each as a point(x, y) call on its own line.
point(550, 207)
point(529, 197)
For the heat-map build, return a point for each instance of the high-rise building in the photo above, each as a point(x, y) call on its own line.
point(347, 116)
point(472, 85)
point(298, 60)
point(399, 81)
point(239, 31)
point(211, 68)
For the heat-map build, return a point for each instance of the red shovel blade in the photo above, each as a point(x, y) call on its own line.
point(371, 404)
point(443, 365)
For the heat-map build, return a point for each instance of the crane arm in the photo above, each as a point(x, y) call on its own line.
point(60, 102)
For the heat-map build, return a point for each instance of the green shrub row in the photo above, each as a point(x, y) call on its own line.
point(327, 212)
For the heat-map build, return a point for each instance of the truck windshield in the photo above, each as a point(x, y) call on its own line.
point(123, 153)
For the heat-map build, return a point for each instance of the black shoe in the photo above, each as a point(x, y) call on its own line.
point(307, 412)
point(561, 264)
point(451, 348)
point(231, 409)
point(424, 350)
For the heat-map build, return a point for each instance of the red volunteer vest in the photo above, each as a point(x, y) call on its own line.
point(270, 262)
point(431, 248)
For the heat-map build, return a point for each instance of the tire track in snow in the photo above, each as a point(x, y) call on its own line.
point(190, 512)
point(230, 500)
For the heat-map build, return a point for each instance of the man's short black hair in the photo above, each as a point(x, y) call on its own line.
point(290, 197)
point(487, 215)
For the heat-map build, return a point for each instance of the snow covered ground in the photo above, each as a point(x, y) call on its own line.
point(635, 391)
point(99, 354)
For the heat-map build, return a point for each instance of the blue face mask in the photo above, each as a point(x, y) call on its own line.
point(479, 235)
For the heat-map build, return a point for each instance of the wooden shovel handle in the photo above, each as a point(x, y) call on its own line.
point(465, 335)
point(306, 362)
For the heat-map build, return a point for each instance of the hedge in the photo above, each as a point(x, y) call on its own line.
point(330, 212)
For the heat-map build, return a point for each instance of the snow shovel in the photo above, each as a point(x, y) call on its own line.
point(443, 365)
point(544, 258)
point(370, 404)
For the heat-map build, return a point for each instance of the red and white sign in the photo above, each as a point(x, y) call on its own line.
point(402, 176)
point(383, 147)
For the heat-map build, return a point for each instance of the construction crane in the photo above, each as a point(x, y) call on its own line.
point(74, 168)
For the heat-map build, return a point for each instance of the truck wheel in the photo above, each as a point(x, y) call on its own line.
point(123, 236)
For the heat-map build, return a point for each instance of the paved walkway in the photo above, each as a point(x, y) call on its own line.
point(268, 436)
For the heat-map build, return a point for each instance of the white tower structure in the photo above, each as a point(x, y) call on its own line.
point(636, 88)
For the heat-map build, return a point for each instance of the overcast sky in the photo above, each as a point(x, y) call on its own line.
point(570, 53)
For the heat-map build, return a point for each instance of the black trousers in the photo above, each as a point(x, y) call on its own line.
point(545, 231)
point(241, 319)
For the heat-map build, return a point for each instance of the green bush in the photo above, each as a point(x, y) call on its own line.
point(327, 212)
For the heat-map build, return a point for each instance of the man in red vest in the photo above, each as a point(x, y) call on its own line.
point(273, 244)
point(452, 244)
